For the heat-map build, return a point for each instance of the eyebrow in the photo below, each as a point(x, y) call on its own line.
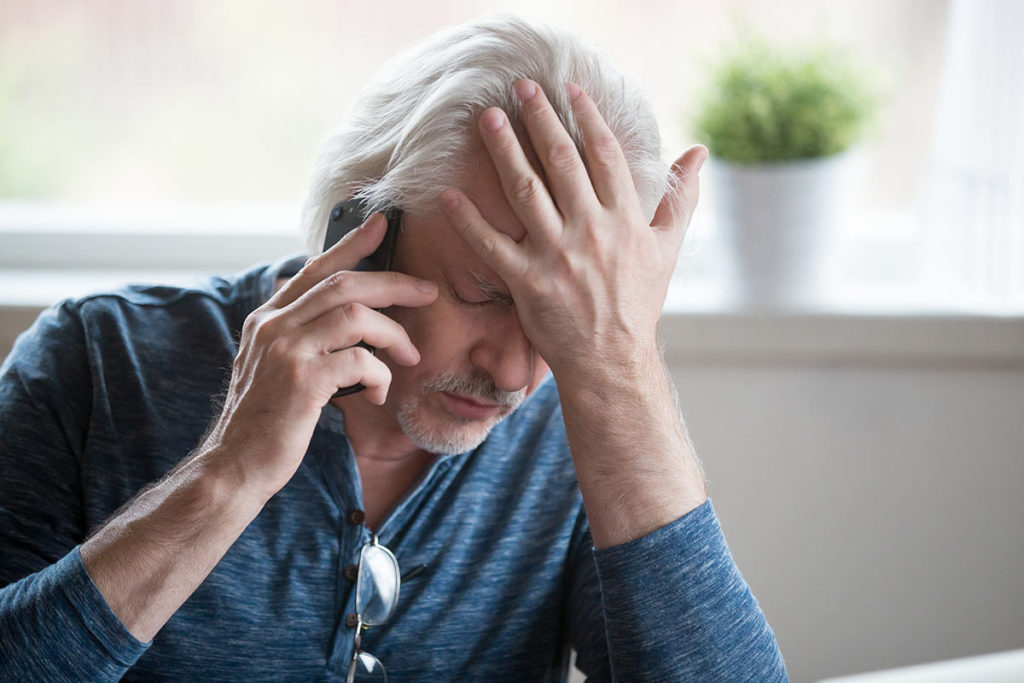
point(490, 290)
point(487, 289)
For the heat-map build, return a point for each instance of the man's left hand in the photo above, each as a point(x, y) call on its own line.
point(590, 276)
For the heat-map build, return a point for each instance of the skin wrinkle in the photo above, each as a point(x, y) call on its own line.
point(616, 406)
point(455, 339)
point(492, 292)
point(478, 385)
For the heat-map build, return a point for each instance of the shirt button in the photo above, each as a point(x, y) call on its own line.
point(351, 620)
point(352, 572)
point(356, 517)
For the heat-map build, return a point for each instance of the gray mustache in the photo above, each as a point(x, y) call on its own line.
point(477, 385)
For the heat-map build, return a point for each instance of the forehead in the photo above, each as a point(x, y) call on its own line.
point(430, 242)
point(482, 184)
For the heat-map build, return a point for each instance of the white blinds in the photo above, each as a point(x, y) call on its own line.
point(973, 203)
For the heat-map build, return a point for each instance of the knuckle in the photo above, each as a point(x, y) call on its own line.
point(488, 247)
point(540, 111)
point(395, 279)
point(311, 267)
point(361, 357)
point(533, 109)
point(381, 374)
point(355, 312)
point(562, 156)
point(340, 281)
point(507, 145)
point(525, 189)
point(258, 327)
point(252, 321)
point(605, 150)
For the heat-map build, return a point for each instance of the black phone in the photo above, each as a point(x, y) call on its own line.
point(345, 217)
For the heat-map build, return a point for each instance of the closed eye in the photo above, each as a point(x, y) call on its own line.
point(467, 302)
point(487, 293)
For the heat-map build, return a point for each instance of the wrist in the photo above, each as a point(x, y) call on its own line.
point(635, 370)
point(149, 557)
point(226, 479)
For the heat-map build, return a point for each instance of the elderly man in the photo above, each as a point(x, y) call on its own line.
point(513, 482)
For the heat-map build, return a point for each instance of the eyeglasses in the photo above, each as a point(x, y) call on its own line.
point(377, 584)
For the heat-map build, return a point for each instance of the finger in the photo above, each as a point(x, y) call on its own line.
point(348, 325)
point(350, 249)
point(566, 173)
point(523, 188)
point(676, 207)
point(356, 365)
point(495, 248)
point(609, 172)
point(376, 289)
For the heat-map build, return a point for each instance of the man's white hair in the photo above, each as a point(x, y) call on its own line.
point(411, 129)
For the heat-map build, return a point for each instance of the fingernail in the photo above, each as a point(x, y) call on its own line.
point(526, 89)
point(573, 90)
point(426, 286)
point(703, 157)
point(375, 219)
point(493, 119)
point(450, 199)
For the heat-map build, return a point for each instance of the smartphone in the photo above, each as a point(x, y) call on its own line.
point(345, 217)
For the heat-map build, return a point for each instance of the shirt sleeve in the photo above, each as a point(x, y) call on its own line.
point(675, 608)
point(56, 626)
point(54, 623)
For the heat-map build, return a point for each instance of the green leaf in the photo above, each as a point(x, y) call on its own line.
point(767, 103)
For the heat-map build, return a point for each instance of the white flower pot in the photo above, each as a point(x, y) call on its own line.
point(775, 220)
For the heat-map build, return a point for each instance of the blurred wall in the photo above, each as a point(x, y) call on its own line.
point(871, 495)
point(868, 473)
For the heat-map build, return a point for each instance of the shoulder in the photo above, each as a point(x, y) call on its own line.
point(134, 326)
point(208, 312)
point(231, 297)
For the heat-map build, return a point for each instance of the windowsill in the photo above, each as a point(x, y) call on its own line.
point(869, 313)
point(699, 326)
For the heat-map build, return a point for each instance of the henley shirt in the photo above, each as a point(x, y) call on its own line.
point(105, 394)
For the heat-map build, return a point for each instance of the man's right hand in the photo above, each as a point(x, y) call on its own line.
point(300, 347)
point(296, 351)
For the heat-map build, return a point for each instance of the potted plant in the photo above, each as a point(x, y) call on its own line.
point(779, 123)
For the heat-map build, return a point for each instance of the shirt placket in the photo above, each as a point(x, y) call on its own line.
point(353, 535)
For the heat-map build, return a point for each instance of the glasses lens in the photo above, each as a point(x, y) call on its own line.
point(377, 586)
point(367, 668)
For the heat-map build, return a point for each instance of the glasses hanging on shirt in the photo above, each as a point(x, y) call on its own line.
point(377, 584)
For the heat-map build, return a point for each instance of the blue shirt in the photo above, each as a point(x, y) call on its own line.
point(107, 393)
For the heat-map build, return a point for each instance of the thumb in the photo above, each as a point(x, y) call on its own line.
point(676, 207)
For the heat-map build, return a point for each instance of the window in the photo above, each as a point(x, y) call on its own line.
point(181, 135)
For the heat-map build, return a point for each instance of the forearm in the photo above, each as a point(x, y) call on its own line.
point(54, 625)
point(636, 467)
point(677, 609)
point(150, 557)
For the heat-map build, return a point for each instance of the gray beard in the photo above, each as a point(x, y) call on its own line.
point(464, 435)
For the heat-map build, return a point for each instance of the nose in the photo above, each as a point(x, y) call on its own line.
point(504, 352)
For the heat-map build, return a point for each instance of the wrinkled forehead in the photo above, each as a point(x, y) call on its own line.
point(482, 183)
point(432, 247)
